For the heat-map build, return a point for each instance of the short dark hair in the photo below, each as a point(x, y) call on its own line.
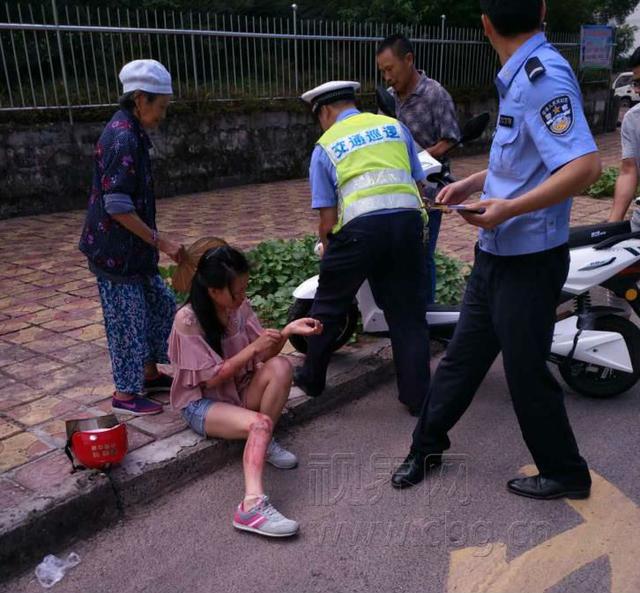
point(512, 17)
point(398, 44)
point(634, 60)
point(127, 101)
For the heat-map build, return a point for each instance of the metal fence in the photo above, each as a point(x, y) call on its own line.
point(69, 57)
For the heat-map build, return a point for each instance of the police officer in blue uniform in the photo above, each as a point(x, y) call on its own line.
point(542, 153)
point(364, 173)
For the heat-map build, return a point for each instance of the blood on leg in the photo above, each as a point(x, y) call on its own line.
point(255, 451)
point(257, 442)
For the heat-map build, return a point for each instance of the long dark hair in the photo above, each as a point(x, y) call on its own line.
point(217, 268)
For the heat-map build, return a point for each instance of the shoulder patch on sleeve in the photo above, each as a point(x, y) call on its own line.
point(557, 115)
point(534, 68)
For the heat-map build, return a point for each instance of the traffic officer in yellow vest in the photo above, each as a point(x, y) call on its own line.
point(363, 174)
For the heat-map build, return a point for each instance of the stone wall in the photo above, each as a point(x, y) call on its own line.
point(47, 166)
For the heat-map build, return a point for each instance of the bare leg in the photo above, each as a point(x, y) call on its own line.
point(253, 459)
point(233, 422)
point(151, 370)
point(269, 390)
point(121, 395)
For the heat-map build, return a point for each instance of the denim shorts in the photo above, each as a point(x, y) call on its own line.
point(195, 414)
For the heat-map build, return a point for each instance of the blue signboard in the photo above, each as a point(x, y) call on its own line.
point(596, 46)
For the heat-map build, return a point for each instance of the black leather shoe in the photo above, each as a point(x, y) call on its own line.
point(413, 469)
point(298, 381)
point(546, 489)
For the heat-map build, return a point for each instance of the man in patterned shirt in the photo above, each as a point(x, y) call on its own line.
point(427, 109)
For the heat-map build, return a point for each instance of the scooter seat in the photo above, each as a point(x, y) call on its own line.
point(592, 234)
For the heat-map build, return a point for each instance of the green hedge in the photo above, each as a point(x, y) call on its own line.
point(278, 266)
point(606, 185)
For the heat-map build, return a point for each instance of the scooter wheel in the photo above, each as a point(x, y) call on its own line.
point(602, 382)
point(302, 307)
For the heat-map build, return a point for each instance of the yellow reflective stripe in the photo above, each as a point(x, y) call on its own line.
point(377, 178)
point(370, 204)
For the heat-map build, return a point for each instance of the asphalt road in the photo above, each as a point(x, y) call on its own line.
point(459, 531)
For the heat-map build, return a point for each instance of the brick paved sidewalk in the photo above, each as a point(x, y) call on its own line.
point(53, 358)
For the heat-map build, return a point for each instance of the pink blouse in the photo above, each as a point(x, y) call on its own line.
point(195, 362)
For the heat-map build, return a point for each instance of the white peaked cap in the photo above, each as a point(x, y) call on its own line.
point(330, 92)
point(146, 75)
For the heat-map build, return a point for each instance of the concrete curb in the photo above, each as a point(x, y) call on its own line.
point(89, 501)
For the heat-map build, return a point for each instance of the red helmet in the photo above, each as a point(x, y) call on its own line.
point(96, 443)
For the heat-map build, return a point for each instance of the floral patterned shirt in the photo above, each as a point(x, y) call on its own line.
point(122, 172)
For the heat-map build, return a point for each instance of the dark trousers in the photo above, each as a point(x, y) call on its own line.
point(435, 220)
point(509, 306)
point(388, 250)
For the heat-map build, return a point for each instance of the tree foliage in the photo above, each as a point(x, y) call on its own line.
point(625, 40)
point(562, 15)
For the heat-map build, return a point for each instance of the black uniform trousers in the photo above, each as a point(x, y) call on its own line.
point(509, 306)
point(387, 249)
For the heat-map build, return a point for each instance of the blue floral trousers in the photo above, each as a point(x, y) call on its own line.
point(137, 319)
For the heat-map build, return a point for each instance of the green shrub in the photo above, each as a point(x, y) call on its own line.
point(166, 273)
point(606, 185)
point(451, 277)
point(278, 266)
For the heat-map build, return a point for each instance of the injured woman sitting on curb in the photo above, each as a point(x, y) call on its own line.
point(230, 382)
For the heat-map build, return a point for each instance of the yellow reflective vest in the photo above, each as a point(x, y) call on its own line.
point(372, 166)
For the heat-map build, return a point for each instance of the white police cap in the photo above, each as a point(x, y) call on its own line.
point(330, 92)
point(146, 75)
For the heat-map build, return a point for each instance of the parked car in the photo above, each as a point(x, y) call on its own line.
point(623, 88)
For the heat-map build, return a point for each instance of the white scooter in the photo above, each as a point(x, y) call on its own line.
point(596, 347)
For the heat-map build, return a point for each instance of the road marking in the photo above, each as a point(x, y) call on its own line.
point(611, 528)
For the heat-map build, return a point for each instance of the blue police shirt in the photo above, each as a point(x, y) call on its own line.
point(541, 127)
point(322, 172)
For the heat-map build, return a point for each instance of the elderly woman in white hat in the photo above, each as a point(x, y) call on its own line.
point(122, 243)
